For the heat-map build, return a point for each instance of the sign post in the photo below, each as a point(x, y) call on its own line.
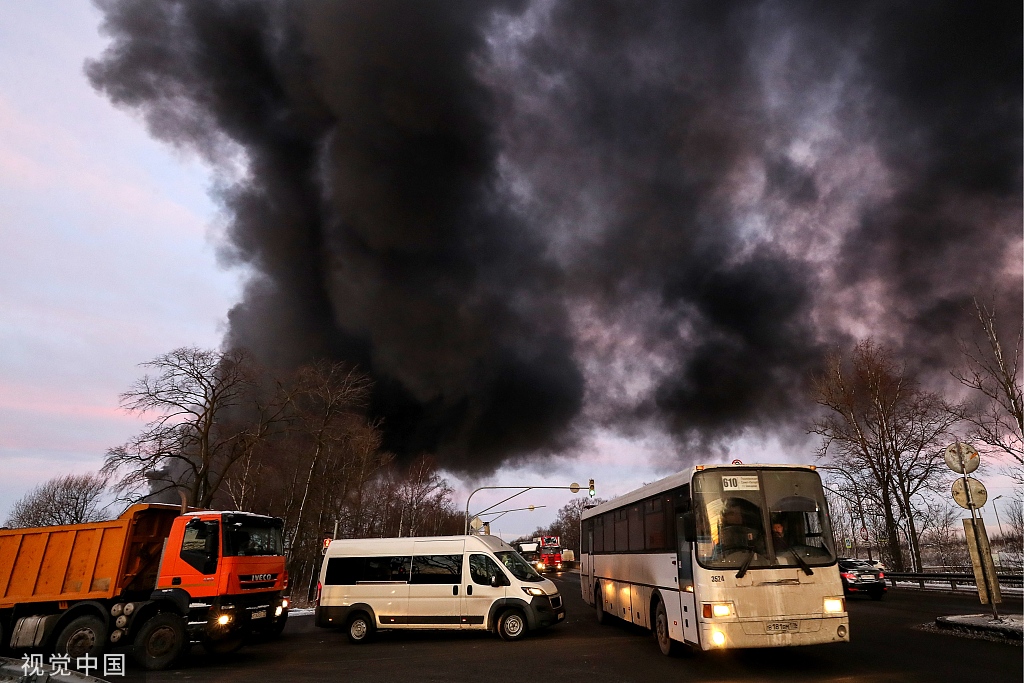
point(971, 494)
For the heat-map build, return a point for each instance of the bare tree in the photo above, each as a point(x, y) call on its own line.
point(69, 499)
point(997, 417)
point(884, 434)
point(210, 410)
point(328, 401)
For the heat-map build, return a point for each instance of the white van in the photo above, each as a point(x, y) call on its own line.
point(443, 582)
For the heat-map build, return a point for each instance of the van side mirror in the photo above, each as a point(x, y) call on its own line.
point(689, 527)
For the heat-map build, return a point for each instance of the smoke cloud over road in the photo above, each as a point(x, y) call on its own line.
point(528, 219)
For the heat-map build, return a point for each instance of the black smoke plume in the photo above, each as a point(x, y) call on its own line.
point(527, 219)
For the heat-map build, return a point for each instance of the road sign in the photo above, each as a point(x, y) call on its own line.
point(969, 454)
point(574, 487)
point(849, 543)
point(327, 542)
point(864, 533)
point(978, 493)
point(476, 524)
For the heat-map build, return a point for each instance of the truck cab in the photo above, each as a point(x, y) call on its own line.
point(231, 566)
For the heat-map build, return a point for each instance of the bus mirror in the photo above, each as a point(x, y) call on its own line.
point(689, 527)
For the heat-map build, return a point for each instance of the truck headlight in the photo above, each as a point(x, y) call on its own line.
point(835, 605)
point(530, 590)
point(224, 619)
point(278, 611)
point(284, 603)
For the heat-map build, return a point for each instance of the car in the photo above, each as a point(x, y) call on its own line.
point(860, 577)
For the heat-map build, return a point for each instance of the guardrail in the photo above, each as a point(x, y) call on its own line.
point(1008, 580)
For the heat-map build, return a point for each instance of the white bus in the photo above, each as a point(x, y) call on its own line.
point(721, 556)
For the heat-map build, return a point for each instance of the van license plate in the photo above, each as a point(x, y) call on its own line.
point(781, 626)
point(259, 615)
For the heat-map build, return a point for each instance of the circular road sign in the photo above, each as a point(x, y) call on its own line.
point(970, 456)
point(864, 533)
point(574, 487)
point(979, 494)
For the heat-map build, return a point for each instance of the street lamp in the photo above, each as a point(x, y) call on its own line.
point(574, 487)
point(996, 508)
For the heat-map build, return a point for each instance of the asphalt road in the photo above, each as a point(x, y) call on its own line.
point(885, 646)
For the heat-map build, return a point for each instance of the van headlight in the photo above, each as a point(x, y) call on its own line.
point(835, 605)
point(530, 590)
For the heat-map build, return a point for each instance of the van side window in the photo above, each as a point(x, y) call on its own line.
point(200, 546)
point(348, 571)
point(436, 569)
point(482, 568)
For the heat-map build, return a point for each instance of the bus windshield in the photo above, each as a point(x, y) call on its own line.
point(759, 519)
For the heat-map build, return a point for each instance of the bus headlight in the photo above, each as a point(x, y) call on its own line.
point(835, 605)
point(718, 609)
point(718, 638)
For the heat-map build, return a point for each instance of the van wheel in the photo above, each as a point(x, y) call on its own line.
point(661, 634)
point(360, 628)
point(83, 636)
point(602, 616)
point(159, 642)
point(512, 625)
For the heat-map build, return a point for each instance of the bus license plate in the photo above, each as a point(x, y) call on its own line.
point(259, 615)
point(781, 626)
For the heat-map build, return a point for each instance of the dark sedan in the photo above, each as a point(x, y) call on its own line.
point(859, 577)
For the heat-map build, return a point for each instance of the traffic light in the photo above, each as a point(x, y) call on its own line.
point(591, 488)
point(327, 542)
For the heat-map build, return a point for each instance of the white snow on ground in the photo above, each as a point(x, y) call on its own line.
point(302, 612)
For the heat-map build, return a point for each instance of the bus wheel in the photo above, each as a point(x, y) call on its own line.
point(602, 616)
point(85, 635)
point(665, 643)
point(159, 642)
point(360, 628)
point(512, 625)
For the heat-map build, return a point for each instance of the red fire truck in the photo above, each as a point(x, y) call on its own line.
point(550, 550)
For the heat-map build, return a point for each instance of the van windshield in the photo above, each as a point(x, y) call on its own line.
point(519, 567)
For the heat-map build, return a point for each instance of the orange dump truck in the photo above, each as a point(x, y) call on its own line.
point(150, 582)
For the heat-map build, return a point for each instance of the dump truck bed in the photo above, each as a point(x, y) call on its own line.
point(84, 561)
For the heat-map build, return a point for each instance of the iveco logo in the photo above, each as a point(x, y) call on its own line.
point(260, 577)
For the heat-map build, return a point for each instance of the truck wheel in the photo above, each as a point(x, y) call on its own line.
point(160, 642)
point(224, 646)
point(602, 616)
point(665, 642)
point(83, 636)
point(277, 629)
point(512, 625)
point(360, 628)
